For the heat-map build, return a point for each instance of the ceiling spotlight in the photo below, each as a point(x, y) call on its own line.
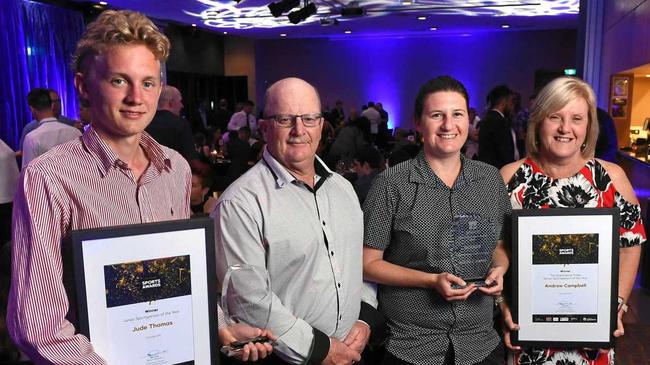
point(298, 16)
point(352, 9)
point(348, 32)
point(422, 18)
point(194, 25)
point(225, 33)
point(505, 26)
point(283, 34)
point(407, 2)
point(433, 28)
point(103, 3)
point(282, 6)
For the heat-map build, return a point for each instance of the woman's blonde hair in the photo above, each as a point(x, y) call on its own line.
point(555, 96)
point(119, 27)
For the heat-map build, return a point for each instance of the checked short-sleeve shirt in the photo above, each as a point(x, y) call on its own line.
point(408, 215)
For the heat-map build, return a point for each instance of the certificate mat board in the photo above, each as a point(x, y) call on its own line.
point(146, 292)
point(565, 276)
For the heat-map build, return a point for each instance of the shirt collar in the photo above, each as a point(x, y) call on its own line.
point(421, 172)
point(106, 158)
point(283, 176)
point(45, 120)
point(502, 115)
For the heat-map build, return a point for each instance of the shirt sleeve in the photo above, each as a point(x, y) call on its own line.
point(239, 241)
point(38, 303)
point(187, 173)
point(378, 212)
point(29, 151)
point(631, 230)
point(236, 121)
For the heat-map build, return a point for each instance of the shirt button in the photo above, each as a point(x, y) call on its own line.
point(323, 222)
point(341, 317)
point(339, 285)
point(332, 253)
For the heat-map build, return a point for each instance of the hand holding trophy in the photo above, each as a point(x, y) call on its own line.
point(246, 301)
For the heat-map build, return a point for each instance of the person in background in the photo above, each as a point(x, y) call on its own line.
point(607, 143)
point(168, 128)
point(50, 131)
point(244, 118)
point(222, 116)
point(561, 140)
point(374, 117)
point(56, 109)
point(408, 219)
point(497, 140)
point(8, 179)
point(367, 165)
point(56, 112)
point(201, 202)
point(337, 114)
point(471, 146)
point(245, 135)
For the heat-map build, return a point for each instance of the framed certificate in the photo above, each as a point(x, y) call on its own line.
point(146, 293)
point(565, 277)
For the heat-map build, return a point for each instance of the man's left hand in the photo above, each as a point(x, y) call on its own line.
point(494, 281)
point(358, 336)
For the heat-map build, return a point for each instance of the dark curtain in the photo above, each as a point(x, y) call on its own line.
point(36, 47)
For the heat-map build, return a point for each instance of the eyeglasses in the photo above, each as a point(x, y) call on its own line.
point(288, 120)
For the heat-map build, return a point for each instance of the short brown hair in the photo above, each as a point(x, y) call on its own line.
point(440, 83)
point(120, 27)
point(555, 96)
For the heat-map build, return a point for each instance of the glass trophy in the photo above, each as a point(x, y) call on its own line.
point(246, 300)
point(472, 243)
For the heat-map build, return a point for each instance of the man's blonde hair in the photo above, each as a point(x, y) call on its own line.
point(555, 96)
point(119, 27)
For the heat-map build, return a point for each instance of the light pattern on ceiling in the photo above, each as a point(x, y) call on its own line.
point(231, 15)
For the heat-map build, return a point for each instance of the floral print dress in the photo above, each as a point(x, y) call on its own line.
point(591, 187)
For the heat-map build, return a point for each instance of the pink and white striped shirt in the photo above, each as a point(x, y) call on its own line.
point(78, 185)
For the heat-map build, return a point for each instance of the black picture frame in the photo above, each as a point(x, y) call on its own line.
point(82, 241)
point(563, 334)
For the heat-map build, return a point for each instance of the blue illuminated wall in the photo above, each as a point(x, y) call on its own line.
point(390, 70)
point(36, 45)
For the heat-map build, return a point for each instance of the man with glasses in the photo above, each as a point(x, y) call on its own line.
point(291, 216)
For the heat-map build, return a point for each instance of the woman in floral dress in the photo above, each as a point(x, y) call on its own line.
point(561, 172)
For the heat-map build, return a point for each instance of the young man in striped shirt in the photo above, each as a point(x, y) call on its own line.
point(114, 174)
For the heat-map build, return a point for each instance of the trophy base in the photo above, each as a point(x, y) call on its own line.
point(237, 346)
point(478, 282)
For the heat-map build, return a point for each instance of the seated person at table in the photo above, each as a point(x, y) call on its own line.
point(367, 165)
point(201, 202)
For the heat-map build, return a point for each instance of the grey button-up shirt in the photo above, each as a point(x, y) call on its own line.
point(309, 241)
point(408, 214)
